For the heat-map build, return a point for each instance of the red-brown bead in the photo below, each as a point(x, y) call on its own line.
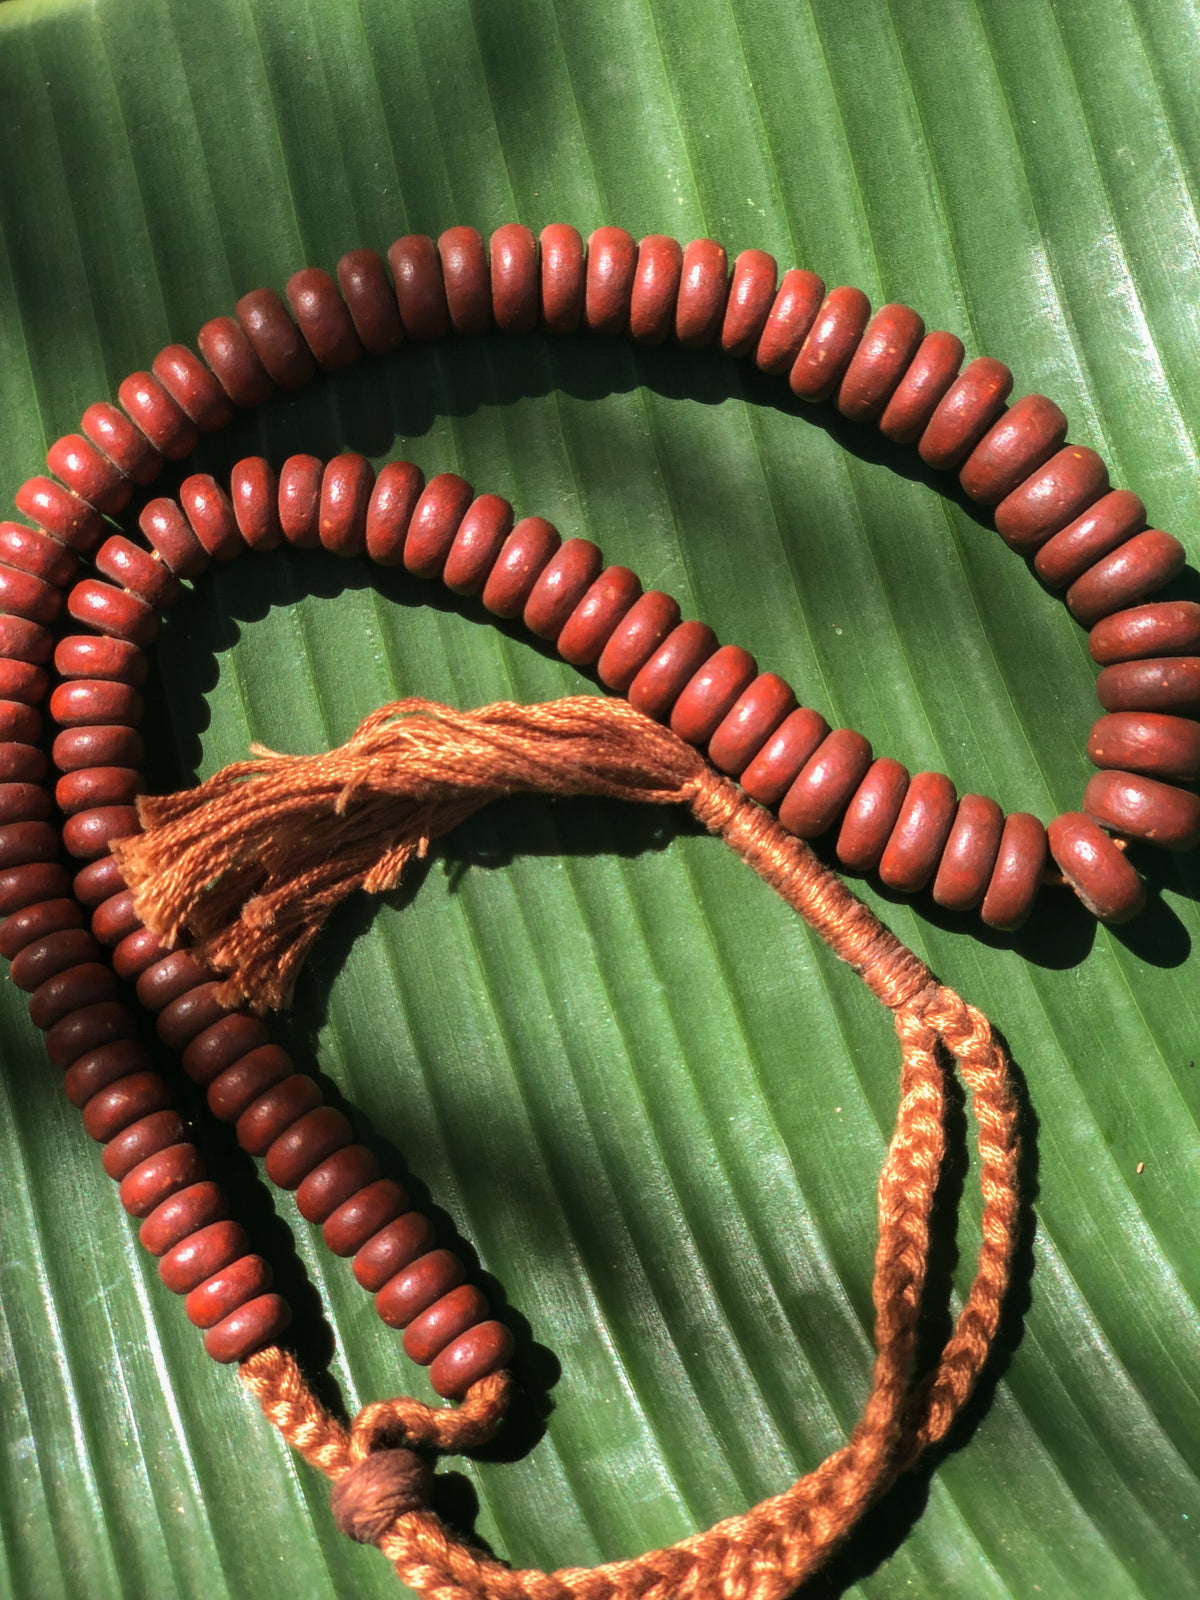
point(655, 289)
point(274, 1112)
point(346, 487)
point(591, 624)
point(89, 473)
point(193, 387)
point(965, 413)
point(200, 1254)
point(141, 1140)
point(420, 292)
point(485, 526)
point(711, 692)
point(236, 1087)
point(522, 560)
point(36, 922)
point(363, 1215)
point(484, 1349)
point(921, 390)
point(392, 1249)
point(780, 761)
point(417, 1286)
point(323, 319)
point(397, 490)
point(560, 587)
point(611, 264)
point(1147, 741)
point(126, 446)
point(792, 314)
point(259, 1322)
point(210, 516)
point(428, 1334)
point(371, 301)
point(884, 354)
point(183, 1214)
point(1057, 493)
point(659, 683)
point(436, 519)
point(635, 639)
point(1144, 808)
point(300, 501)
point(751, 295)
point(159, 1177)
point(703, 289)
point(253, 491)
point(965, 869)
point(563, 278)
point(1166, 628)
point(111, 611)
point(335, 1180)
point(1028, 433)
point(61, 513)
point(304, 1145)
point(1136, 569)
point(1095, 868)
point(165, 423)
point(829, 344)
point(235, 364)
point(871, 815)
point(275, 338)
point(1069, 553)
point(241, 1280)
point(1165, 683)
point(825, 784)
point(168, 532)
point(922, 828)
point(137, 570)
point(750, 722)
point(466, 278)
point(513, 263)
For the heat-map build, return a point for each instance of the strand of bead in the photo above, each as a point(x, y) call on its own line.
point(1051, 498)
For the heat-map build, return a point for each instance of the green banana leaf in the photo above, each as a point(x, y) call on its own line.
point(648, 1106)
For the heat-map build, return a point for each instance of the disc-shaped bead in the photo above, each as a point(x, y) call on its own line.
point(417, 1286)
point(1095, 868)
point(829, 344)
point(484, 1349)
point(1163, 683)
point(466, 280)
point(252, 1326)
point(703, 288)
point(1147, 741)
point(397, 490)
point(323, 319)
point(275, 338)
point(560, 586)
point(1028, 433)
point(513, 260)
point(219, 1047)
point(1136, 569)
point(711, 692)
point(611, 263)
point(915, 845)
point(781, 759)
point(363, 1215)
point(825, 784)
point(232, 1286)
point(346, 486)
point(164, 422)
point(234, 361)
point(1165, 628)
point(300, 501)
point(965, 869)
point(394, 1247)
point(1143, 808)
point(523, 558)
point(124, 444)
point(965, 413)
point(201, 1254)
point(371, 300)
point(920, 391)
point(751, 294)
point(661, 679)
point(420, 292)
point(884, 354)
point(792, 314)
point(193, 387)
point(590, 626)
point(435, 522)
point(750, 722)
point(253, 491)
point(655, 288)
point(428, 1334)
point(1059, 491)
point(563, 277)
point(1068, 554)
point(485, 526)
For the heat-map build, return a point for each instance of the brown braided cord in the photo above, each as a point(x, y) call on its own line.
point(601, 746)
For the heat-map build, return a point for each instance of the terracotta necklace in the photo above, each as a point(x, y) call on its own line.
point(1052, 500)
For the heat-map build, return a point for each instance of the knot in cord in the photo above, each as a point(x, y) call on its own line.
point(368, 1498)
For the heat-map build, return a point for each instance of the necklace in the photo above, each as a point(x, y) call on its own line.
point(1050, 498)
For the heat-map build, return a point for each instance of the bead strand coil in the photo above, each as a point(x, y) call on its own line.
point(72, 934)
